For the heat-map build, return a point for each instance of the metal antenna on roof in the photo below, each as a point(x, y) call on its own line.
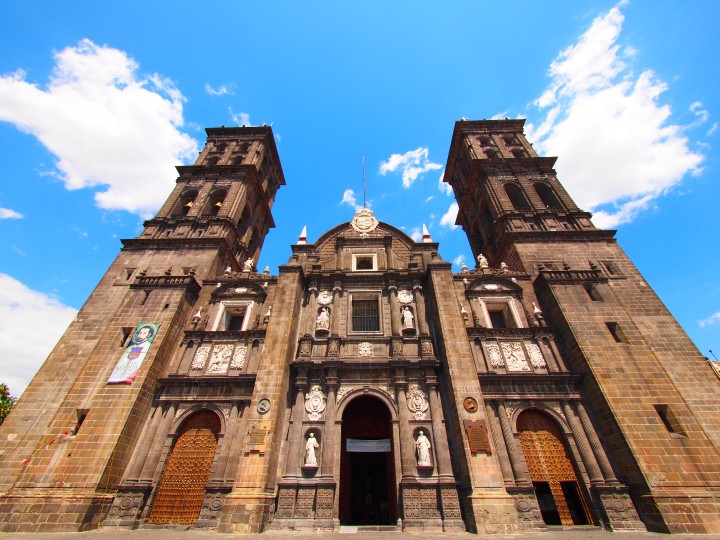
point(364, 183)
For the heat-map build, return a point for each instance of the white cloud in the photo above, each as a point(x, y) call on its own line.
point(443, 186)
point(702, 114)
point(349, 199)
point(448, 219)
point(712, 129)
point(107, 126)
point(7, 213)
point(216, 92)
point(430, 198)
point(712, 319)
point(241, 119)
point(416, 234)
point(618, 151)
point(32, 322)
point(457, 261)
point(412, 164)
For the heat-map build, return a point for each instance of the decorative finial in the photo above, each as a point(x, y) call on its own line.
point(482, 262)
point(537, 311)
point(228, 270)
point(196, 318)
point(504, 268)
point(426, 235)
point(266, 271)
point(302, 239)
point(464, 268)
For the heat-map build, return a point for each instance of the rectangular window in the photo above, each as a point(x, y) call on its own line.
point(593, 292)
point(497, 319)
point(670, 420)
point(365, 316)
point(366, 262)
point(617, 334)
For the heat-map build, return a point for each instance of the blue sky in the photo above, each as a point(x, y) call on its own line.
point(98, 103)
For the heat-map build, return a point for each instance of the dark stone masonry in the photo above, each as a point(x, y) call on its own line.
point(366, 383)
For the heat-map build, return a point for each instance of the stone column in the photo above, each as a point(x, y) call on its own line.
point(407, 457)
point(294, 443)
point(146, 439)
point(605, 467)
point(497, 435)
point(336, 310)
point(583, 445)
point(311, 310)
point(442, 451)
point(394, 310)
point(328, 440)
point(151, 463)
point(420, 311)
point(225, 445)
point(522, 475)
point(548, 354)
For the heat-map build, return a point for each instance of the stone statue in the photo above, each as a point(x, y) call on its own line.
point(482, 261)
point(407, 317)
point(422, 444)
point(311, 447)
point(463, 268)
point(504, 268)
point(248, 265)
point(323, 320)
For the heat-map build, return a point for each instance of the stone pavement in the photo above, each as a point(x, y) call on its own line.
point(348, 534)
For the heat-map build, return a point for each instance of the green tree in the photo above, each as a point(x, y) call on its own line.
point(6, 401)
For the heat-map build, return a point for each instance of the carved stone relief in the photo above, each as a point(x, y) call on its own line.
point(325, 298)
point(405, 297)
point(364, 222)
point(200, 358)
point(238, 359)
point(417, 401)
point(514, 356)
point(536, 356)
point(365, 349)
point(220, 358)
point(496, 359)
point(315, 402)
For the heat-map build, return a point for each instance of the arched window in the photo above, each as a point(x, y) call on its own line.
point(212, 160)
point(518, 153)
point(217, 199)
point(517, 199)
point(547, 196)
point(187, 200)
point(220, 147)
point(491, 154)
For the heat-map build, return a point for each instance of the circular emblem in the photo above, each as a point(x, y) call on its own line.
point(364, 221)
point(315, 402)
point(405, 297)
point(619, 506)
point(470, 404)
point(263, 405)
point(522, 506)
point(325, 298)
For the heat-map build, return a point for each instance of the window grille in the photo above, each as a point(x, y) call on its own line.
point(365, 316)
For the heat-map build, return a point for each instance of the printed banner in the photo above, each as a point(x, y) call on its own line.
point(368, 445)
point(132, 358)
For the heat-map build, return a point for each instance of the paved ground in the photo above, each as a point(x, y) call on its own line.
point(164, 534)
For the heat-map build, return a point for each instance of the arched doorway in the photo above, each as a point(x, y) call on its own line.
point(182, 488)
point(367, 471)
point(553, 476)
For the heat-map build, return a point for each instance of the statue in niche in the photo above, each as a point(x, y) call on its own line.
point(311, 447)
point(422, 444)
point(323, 320)
point(482, 262)
point(249, 265)
point(407, 318)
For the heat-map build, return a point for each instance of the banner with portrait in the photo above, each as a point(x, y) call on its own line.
point(132, 357)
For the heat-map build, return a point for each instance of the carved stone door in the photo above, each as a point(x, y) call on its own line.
point(182, 488)
point(551, 470)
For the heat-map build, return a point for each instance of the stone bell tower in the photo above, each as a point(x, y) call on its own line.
point(653, 397)
point(72, 433)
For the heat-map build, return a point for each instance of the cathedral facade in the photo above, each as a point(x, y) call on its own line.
point(366, 383)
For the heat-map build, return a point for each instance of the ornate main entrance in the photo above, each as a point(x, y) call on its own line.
point(182, 489)
point(367, 472)
point(557, 489)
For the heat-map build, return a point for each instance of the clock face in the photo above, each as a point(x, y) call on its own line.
point(405, 297)
point(263, 406)
point(325, 298)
